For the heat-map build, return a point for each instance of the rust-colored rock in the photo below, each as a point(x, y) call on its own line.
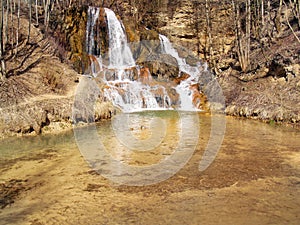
point(145, 76)
point(183, 76)
point(199, 99)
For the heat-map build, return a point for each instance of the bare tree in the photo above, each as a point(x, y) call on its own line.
point(5, 24)
point(18, 28)
point(209, 48)
point(2, 60)
point(36, 12)
point(12, 31)
point(298, 12)
point(262, 13)
point(243, 34)
point(295, 7)
point(46, 4)
point(287, 20)
point(30, 15)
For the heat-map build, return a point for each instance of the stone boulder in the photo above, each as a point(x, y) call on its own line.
point(162, 67)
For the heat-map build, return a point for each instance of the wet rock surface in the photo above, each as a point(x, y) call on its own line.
point(184, 22)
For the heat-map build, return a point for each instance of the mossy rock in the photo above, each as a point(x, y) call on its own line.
point(81, 62)
point(74, 29)
point(131, 32)
point(149, 35)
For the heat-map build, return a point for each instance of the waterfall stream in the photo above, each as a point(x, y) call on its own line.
point(91, 33)
point(129, 86)
point(93, 14)
point(183, 89)
point(120, 56)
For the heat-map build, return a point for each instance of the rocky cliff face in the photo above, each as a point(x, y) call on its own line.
point(271, 86)
point(184, 22)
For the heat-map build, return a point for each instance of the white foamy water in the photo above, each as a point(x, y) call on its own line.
point(91, 48)
point(183, 89)
point(120, 55)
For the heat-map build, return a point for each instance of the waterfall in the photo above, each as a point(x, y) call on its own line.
point(120, 55)
point(92, 50)
point(123, 91)
point(131, 96)
point(136, 95)
point(128, 86)
point(183, 89)
point(168, 48)
point(93, 15)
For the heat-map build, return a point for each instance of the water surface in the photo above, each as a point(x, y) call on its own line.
point(255, 177)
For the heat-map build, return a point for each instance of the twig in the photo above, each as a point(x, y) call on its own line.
point(288, 22)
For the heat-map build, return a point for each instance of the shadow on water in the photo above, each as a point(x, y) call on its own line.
point(20, 146)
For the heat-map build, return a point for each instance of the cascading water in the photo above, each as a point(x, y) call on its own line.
point(92, 50)
point(132, 95)
point(183, 89)
point(123, 91)
point(127, 85)
point(93, 14)
point(120, 56)
point(168, 48)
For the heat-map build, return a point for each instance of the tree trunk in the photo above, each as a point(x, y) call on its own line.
point(208, 25)
point(299, 13)
point(18, 28)
point(248, 33)
point(12, 35)
point(5, 24)
point(278, 16)
point(36, 12)
point(262, 13)
point(46, 15)
point(288, 23)
point(2, 60)
point(242, 39)
point(29, 26)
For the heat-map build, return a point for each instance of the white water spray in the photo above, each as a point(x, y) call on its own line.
point(120, 56)
point(183, 89)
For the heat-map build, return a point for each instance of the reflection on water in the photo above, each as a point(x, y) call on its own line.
point(147, 138)
point(142, 138)
point(254, 179)
point(120, 155)
point(14, 147)
point(165, 126)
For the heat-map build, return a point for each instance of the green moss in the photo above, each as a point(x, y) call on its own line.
point(272, 122)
